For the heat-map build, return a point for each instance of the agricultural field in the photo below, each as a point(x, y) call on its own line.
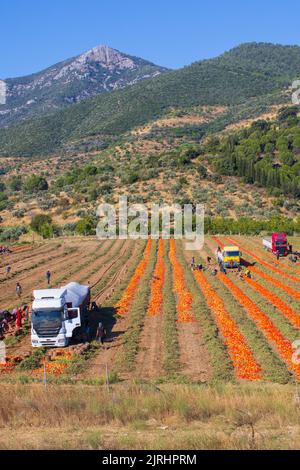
point(171, 331)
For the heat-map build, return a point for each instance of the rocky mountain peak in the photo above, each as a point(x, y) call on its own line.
point(108, 57)
point(98, 70)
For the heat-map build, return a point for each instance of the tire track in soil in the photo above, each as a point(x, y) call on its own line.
point(194, 355)
point(108, 290)
point(149, 361)
point(14, 254)
point(151, 350)
point(84, 266)
point(37, 280)
point(19, 268)
point(24, 346)
point(37, 275)
point(108, 260)
point(9, 259)
point(114, 338)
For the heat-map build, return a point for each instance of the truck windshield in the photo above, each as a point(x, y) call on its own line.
point(44, 318)
point(232, 253)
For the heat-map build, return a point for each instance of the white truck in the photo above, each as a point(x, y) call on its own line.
point(58, 315)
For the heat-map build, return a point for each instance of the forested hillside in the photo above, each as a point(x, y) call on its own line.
point(267, 153)
point(249, 71)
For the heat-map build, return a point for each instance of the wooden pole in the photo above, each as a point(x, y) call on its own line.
point(107, 379)
point(45, 374)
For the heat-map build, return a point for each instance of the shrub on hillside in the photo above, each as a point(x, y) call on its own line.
point(85, 227)
point(40, 223)
point(35, 183)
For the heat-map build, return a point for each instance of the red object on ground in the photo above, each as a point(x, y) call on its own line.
point(19, 318)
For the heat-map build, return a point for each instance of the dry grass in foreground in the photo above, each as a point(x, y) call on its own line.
point(147, 417)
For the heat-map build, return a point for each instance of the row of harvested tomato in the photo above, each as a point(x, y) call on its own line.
point(125, 302)
point(184, 297)
point(157, 285)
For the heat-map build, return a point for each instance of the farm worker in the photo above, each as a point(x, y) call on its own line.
point(87, 328)
point(222, 269)
point(214, 272)
point(18, 289)
point(14, 313)
point(26, 312)
point(3, 327)
point(8, 269)
point(208, 259)
point(277, 255)
point(200, 267)
point(48, 277)
point(100, 334)
point(247, 273)
point(193, 262)
point(19, 319)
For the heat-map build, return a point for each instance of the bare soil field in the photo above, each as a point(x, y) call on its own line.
point(168, 328)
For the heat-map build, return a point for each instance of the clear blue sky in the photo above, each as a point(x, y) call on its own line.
point(37, 33)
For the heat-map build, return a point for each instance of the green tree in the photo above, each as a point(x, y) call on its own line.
point(85, 227)
point(35, 183)
point(15, 183)
point(40, 223)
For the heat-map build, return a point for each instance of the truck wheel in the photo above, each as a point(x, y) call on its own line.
point(78, 335)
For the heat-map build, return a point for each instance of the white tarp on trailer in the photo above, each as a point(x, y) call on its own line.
point(76, 293)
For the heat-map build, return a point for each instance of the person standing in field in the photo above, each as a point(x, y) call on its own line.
point(48, 277)
point(8, 270)
point(101, 333)
point(26, 312)
point(19, 319)
point(18, 289)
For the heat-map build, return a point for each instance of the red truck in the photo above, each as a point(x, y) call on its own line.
point(277, 244)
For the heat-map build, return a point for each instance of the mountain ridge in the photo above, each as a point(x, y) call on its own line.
point(97, 70)
point(251, 72)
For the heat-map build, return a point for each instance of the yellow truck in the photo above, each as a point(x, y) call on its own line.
point(229, 256)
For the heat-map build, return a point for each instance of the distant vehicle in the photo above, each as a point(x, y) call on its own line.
point(57, 315)
point(276, 243)
point(229, 257)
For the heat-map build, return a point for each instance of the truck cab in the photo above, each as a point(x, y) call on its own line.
point(277, 244)
point(229, 257)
